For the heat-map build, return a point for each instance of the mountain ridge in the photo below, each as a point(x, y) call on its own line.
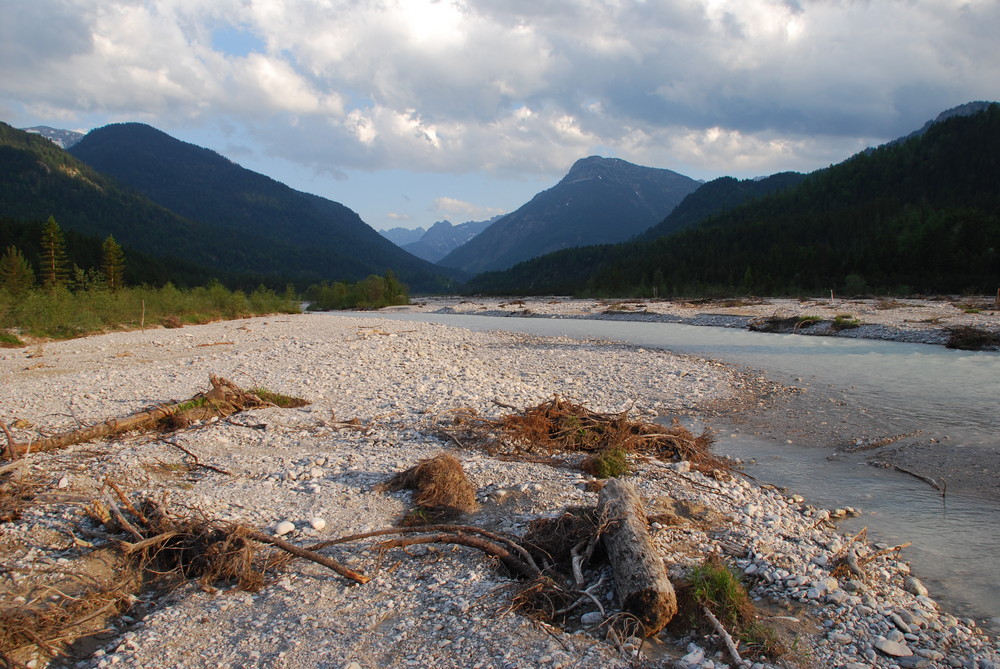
point(599, 200)
point(312, 237)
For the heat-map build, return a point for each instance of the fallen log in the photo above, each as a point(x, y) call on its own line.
point(641, 582)
point(223, 399)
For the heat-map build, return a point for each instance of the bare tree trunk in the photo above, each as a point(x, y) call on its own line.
point(641, 580)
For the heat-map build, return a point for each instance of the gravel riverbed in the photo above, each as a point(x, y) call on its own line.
point(430, 606)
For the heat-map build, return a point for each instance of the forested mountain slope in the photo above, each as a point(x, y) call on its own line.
point(922, 215)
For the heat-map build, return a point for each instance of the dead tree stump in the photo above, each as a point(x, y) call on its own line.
point(641, 580)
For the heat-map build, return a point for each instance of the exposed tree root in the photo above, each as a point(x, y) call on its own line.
point(559, 425)
point(443, 491)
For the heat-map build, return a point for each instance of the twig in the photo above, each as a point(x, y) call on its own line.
point(194, 457)
point(9, 450)
point(730, 644)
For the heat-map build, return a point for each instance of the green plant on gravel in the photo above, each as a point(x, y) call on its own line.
point(278, 399)
point(7, 340)
point(715, 586)
point(608, 463)
point(845, 322)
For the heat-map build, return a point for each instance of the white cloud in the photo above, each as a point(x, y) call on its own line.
point(512, 87)
point(450, 206)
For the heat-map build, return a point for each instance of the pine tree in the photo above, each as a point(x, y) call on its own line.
point(113, 263)
point(55, 271)
point(16, 274)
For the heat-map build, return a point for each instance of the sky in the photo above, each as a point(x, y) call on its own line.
point(413, 111)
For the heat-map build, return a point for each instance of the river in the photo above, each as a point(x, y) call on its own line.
point(871, 387)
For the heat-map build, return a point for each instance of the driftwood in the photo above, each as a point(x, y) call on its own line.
point(223, 399)
point(641, 580)
point(726, 636)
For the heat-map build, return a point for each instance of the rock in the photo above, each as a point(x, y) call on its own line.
point(692, 659)
point(63, 482)
point(284, 527)
point(913, 585)
point(317, 523)
point(893, 648)
point(912, 662)
point(592, 618)
point(898, 622)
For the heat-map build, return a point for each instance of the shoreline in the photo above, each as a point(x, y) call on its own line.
point(920, 321)
point(396, 378)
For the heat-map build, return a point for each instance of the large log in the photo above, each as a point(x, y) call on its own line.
point(641, 580)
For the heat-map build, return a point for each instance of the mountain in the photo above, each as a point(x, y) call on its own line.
point(599, 201)
point(720, 195)
point(61, 138)
point(443, 237)
point(403, 236)
point(38, 180)
point(302, 236)
point(919, 215)
point(967, 109)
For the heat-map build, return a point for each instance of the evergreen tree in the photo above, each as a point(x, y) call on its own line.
point(16, 274)
point(55, 270)
point(113, 263)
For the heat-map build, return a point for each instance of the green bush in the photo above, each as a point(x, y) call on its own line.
point(609, 463)
point(374, 292)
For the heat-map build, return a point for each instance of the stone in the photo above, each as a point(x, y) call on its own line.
point(912, 662)
point(893, 648)
point(693, 659)
point(63, 482)
point(913, 585)
point(592, 618)
point(284, 527)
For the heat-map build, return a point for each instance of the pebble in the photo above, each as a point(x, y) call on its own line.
point(893, 648)
point(284, 527)
point(317, 523)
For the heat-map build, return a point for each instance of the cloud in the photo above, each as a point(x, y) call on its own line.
point(510, 87)
point(450, 206)
point(398, 217)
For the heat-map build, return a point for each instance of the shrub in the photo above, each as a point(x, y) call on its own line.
point(845, 322)
point(609, 463)
point(715, 586)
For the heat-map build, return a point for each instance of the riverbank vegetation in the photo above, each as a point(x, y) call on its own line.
point(374, 292)
point(57, 299)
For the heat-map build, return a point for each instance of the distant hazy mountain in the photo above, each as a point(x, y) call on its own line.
point(442, 238)
point(61, 138)
point(304, 236)
point(403, 236)
point(600, 201)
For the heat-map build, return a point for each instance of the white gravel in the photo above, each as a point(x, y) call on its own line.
point(300, 473)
